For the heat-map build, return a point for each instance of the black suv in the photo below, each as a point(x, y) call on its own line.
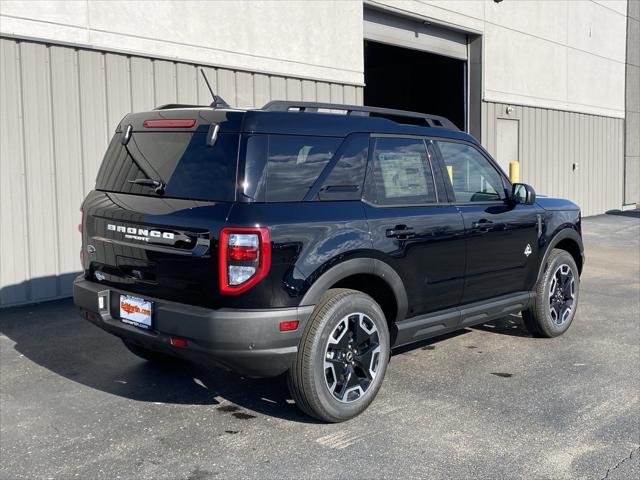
point(297, 239)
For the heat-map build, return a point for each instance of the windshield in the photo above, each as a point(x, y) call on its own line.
point(182, 161)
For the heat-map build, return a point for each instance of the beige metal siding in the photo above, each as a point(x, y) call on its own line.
point(552, 141)
point(59, 107)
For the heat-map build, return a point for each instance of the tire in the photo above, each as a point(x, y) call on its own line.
point(146, 353)
point(338, 340)
point(547, 316)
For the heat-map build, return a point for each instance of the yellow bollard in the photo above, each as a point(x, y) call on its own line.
point(514, 171)
point(450, 172)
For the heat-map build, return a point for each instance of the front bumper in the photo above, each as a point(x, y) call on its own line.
point(248, 342)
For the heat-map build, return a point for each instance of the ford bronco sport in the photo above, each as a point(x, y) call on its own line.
point(295, 239)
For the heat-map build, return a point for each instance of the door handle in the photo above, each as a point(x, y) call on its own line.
point(483, 225)
point(400, 231)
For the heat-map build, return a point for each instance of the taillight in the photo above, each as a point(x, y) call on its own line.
point(244, 258)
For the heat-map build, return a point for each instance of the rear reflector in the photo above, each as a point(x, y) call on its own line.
point(179, 342)
point(170, 123)
point(289, 326)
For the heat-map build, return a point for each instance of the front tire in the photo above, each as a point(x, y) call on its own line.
point(556, 297)
point(342, 357)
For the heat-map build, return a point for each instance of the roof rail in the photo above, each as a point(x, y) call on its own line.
point(435, 121)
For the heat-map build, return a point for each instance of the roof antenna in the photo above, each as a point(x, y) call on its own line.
point(218, 102)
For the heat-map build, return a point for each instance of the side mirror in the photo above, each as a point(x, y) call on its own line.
point(523, 193)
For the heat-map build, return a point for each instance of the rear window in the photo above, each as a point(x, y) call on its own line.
point(282, 168)
point(183, 161)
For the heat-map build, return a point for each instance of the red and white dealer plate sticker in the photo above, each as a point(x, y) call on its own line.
point(135, 311)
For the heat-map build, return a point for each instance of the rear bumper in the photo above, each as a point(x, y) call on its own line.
point(248, 342)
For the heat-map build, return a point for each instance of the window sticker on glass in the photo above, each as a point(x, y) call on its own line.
point(402, 174)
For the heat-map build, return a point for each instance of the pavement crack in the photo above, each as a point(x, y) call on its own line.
point(620, 462)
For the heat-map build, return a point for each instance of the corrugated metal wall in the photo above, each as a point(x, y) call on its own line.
point(59, 107)
point(552, 141)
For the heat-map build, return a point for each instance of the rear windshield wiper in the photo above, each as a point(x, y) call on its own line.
point(157, 186)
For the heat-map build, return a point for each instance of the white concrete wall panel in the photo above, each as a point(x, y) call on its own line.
point(531, 49)
point(530, 46)
point(593, 83)
point(544, 20)
point(596, 29)
point(288, 37)
point(542, 78)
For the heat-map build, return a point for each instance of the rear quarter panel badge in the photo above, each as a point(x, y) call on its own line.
point(527, 250)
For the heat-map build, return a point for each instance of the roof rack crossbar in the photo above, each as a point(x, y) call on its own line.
point(435, 121)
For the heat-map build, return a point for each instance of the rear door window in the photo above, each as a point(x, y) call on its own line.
point(282, 168)
point(400, 173)
point(183, 161)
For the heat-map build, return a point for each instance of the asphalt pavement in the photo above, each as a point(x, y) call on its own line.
point(488, 402)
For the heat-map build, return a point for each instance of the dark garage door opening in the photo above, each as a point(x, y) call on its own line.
point(406, 79)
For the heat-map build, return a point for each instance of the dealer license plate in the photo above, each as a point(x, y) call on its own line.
point(135, 311)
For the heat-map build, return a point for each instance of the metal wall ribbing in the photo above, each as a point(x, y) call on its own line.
point(59, 107)
point(553, 141)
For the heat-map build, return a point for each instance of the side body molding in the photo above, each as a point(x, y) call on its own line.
point(354, 267)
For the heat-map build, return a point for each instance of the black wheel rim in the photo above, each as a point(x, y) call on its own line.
point(561, 294)
point(352, 357)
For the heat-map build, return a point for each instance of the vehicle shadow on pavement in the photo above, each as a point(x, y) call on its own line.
point(55, 337)
point(429, 343)
point(511, 325)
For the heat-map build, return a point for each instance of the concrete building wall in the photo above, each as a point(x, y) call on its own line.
point(538, 53)
point(561, 54)
point(632, 130)
point(260, 36)
point(60, 106)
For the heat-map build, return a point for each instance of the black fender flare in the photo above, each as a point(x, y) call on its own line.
point(565, 233)
point(357, 266)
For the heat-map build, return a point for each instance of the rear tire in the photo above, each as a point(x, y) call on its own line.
point(342, 357)
point(555, 297)
point(146, 353)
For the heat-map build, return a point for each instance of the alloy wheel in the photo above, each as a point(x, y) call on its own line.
point(561, 294)
point(352, 357)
